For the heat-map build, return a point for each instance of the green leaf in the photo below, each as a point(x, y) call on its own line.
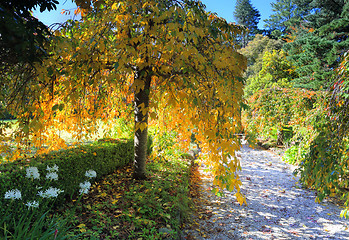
point(61, 107)
point(116, 65)
point(55, 107)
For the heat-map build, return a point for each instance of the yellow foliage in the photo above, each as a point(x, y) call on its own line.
point(97, 65)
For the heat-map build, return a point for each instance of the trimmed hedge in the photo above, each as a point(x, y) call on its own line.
point(103, 156)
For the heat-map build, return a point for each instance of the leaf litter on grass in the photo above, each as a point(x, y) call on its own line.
point(119, 207)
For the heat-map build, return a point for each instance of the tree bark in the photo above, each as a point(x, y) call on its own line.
point(280, 137)
point(141, 136)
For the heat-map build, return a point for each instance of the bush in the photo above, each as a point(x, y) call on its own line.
point(104, 157)
point(325, 166)
point(280, 113)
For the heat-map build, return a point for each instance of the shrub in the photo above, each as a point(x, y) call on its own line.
point(280, 113)
point(325, 166)
point(104, 157)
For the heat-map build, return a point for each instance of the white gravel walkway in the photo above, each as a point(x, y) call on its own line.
point(278, 208)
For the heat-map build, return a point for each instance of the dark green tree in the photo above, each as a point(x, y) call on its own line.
point(286, 13)
point(21, 35)
point(248, 16)
point(22, 42)
point(319, 42)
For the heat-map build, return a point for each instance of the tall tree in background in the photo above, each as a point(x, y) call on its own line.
point(286, 13)
point(318, 43)
point(248, 16)
point(254, 52)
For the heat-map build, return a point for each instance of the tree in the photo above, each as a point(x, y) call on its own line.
point(316, 45)
point(276, 71)
point(275, 111)
point(22, 42)
point(248, 16)
point(254, 52)
point(164, 57)
point(22, 35)
point(325, 162)
point(286, 14)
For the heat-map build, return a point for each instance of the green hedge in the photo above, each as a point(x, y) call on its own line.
point(103, 156)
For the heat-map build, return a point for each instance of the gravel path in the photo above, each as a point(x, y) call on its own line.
point(278, 208)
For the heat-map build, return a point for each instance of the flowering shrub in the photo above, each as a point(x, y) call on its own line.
point(33, 172)
point(33, 215)
point(32, 204)
point(74, 165)
point(85, 187)
point(91, 174)
point(50, 193)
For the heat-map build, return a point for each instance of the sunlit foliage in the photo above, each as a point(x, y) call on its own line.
point(169, 60)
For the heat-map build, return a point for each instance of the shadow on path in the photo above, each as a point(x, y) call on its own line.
point(278, 208)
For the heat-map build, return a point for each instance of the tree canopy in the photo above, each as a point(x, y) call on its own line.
point(169, 60)
point(248, 16)
point(21, 34)
point(286, 13)
point(319, 42)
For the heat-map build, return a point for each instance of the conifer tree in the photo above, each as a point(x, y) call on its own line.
point(248, 16)
point(286, 13)
point(319, 42)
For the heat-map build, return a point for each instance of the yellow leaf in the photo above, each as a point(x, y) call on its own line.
point(82, 227)
point(115, 6)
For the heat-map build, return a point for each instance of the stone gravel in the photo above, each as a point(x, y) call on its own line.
point(277, 206)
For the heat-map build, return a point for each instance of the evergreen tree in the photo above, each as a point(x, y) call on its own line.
point(286, 14)
point(319, 42)
point(246, 15)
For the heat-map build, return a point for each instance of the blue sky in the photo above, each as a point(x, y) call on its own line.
point(224, 8)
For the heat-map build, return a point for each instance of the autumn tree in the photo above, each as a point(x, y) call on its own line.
point(325, 160)
point(169, 60)
point(254, 52)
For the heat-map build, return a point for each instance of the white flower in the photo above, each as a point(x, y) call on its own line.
point(33, 172)
point(52, 169)
point(33, 204)
point(84, 187)
point(52, 176)
point(50, 192)
point(13, 194)
point(90, 173)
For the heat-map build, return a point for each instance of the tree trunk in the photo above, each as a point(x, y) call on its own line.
point(141, 136)
point(280, 137)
